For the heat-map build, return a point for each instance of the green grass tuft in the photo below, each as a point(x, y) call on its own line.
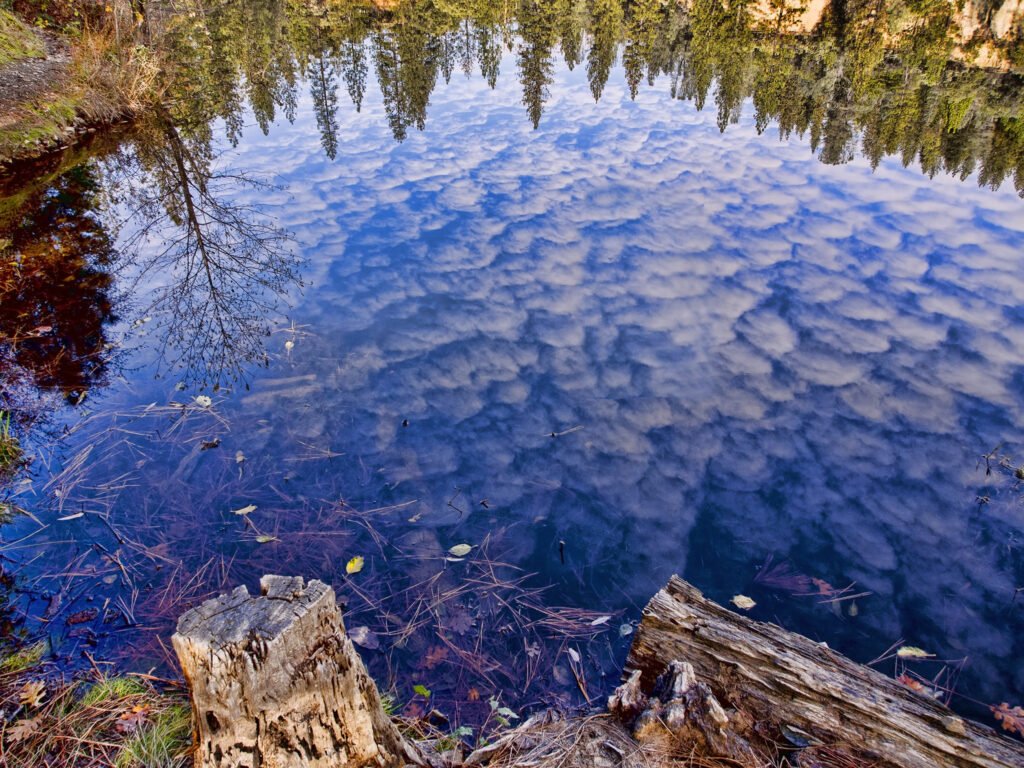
point(161, 743)
point(11, 456)
point(113, 689)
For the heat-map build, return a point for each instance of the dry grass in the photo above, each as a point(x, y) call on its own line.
point(549, 741)
point(119, 75)
point(115, 722)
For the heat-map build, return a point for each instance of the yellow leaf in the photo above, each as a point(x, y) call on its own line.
point(742, 601)
point(245, 510)
point(355, 565)
point(461, 550)
point(913, 652)
point(266, 539)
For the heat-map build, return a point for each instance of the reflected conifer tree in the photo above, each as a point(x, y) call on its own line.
point(354, 70)
point(606, 31)
point(323, 84)
point(537, 20)
point(874, 77)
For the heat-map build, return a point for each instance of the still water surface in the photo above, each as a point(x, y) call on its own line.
point(668, 347)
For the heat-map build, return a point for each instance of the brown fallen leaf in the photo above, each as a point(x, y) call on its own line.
point(130, 721)
point(32, 694)
point(22, 729)
point(1012, 718)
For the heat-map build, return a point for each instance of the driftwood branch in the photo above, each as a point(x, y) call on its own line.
point(276, 683)
point(765, 674)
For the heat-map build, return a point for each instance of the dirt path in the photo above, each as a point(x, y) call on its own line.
point(23, 82)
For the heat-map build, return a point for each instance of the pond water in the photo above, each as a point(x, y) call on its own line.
point(608, 293)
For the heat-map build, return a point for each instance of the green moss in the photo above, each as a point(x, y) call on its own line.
point(17, 40)
point(160, 743)
point(40, 122)
point(24, 659)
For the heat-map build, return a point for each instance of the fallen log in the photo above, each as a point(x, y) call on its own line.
point(763, 674)
point(276, 683)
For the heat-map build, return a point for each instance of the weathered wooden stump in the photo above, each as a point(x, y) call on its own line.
point(276, 683)
point(763, 674)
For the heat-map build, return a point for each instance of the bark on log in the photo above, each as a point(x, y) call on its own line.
point(780, 677)
point(276, 683)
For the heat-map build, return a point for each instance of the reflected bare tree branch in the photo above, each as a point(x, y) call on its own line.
point(222, 268)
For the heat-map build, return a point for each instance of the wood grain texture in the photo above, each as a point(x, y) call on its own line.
point(781, 677)
point(276, 683)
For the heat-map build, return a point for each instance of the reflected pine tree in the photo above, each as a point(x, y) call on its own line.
point(874, 77)
point(534, 55)
point(354, 70)
point(606, 31)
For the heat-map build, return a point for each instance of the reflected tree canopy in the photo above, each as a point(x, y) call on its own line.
point(851, 76)
point(57, 274)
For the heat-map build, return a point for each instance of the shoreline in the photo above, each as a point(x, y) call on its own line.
point(58, 87)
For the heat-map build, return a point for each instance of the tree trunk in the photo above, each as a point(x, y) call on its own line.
point(770, 675)
point(276, 683)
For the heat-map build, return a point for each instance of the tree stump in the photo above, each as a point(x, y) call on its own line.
point(768, 675)
point(276, 683)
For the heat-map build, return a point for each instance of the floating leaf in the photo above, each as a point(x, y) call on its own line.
point(625, 630)
point(913, 652)
point(422, 690)
point(75, 516)
point(289, 345)
point(266, 539)
point(460, 550)
point(364, 637)
point(245, 510)
point(742, 601)
point(239, 457)
point(203, 401)
point(600, 620)
point(574, 654)
point(355, 565)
